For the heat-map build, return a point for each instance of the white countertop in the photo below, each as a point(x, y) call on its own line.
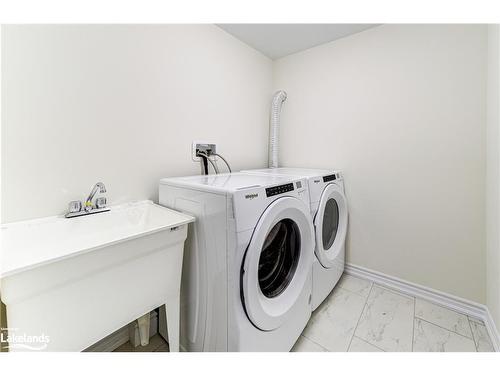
point(28, 244)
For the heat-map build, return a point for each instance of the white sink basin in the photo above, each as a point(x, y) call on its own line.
point(78, 280)
point(32, 243)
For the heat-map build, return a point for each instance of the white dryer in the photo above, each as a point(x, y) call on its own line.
point(329, 213)
point(246, 283)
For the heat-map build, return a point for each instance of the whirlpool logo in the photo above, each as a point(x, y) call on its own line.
point(251, 196)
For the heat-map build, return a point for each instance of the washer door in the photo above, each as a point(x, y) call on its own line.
point(277, 262)
point(330, 223)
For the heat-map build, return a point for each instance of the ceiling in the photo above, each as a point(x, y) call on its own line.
point(278, 40)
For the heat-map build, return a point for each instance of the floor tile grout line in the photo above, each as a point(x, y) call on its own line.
point(313, 341)
point(446, 329)
point(350, 291)
point(474, 337)
point(369, 343)
point(414, 299)
point(413, 336)
point(472, 333)
point(437, 325)
point(317, 343)
point(444, 308)
point(470, 328)
point(360, 315)
point(481, 323)
point(359, 294)
point(413, 333)
point(476, 320)
point(398, 290)
point(404, 295)
point(356, 294)
point(395, 291)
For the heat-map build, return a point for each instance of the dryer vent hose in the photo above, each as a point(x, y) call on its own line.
point(274, 128)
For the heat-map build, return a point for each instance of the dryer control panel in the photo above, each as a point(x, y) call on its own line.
point(329, 178)
point(280, 189)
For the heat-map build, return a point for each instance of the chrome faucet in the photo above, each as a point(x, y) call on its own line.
point(88, 202)
point(77, 209)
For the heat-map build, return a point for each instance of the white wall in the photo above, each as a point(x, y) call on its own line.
point(492, 177)
point(3, 312)
point(401, 110)
point(122, 104)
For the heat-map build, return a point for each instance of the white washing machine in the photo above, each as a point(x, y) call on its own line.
point(246, 283)
point(329, 213)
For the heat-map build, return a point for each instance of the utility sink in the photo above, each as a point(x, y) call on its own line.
point(67, 283)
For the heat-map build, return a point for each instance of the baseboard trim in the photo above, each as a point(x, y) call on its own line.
point(492, 330)
point(461, 305)
point(111, 342)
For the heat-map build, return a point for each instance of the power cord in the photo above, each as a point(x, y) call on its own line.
point(225, 161)
point(204, 165)
point(206, 158)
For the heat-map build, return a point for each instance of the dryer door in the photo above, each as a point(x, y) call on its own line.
point(277, 263)
point(330, 223)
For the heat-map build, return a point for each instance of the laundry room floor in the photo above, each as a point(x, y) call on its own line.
point(361, 316)
point(156, 344)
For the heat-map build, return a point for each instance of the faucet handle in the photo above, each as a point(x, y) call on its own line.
point(100, 202)
point(75, 206)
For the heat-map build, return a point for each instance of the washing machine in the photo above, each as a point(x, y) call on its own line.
point(330, 217)
point(247, 280)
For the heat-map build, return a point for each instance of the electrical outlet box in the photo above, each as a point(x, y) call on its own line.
point(207, 147)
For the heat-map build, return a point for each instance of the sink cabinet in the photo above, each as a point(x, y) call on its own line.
point(74, 300)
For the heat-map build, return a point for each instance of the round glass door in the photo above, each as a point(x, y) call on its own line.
point(279, 258)
point(277, 264)
point(331, 225)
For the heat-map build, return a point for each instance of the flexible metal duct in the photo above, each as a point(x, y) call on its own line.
point(274, 128)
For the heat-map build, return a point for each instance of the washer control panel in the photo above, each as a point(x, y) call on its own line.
point(331, 177)
point(280, 189)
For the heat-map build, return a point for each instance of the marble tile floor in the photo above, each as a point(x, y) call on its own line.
point(360, 316)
